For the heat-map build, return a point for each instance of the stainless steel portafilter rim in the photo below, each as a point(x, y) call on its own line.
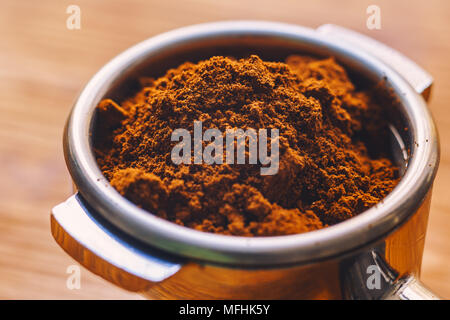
point(350, 235)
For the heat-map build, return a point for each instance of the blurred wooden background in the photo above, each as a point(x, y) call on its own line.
point(43, 66)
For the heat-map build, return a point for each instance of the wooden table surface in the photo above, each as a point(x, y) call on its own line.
point(43, 65)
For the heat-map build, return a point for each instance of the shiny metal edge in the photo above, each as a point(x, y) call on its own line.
point(417, 77)
point(71, 219)
point(410, 288)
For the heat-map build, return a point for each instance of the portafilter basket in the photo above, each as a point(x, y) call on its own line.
point(141, 252)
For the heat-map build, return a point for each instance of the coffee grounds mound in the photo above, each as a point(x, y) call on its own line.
point(332, 164)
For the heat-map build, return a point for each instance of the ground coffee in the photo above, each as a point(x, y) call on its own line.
point(331, 165)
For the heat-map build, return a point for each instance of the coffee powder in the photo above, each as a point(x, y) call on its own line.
point(332, 165)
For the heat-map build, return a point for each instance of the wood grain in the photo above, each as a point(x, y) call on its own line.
point(43, 66)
